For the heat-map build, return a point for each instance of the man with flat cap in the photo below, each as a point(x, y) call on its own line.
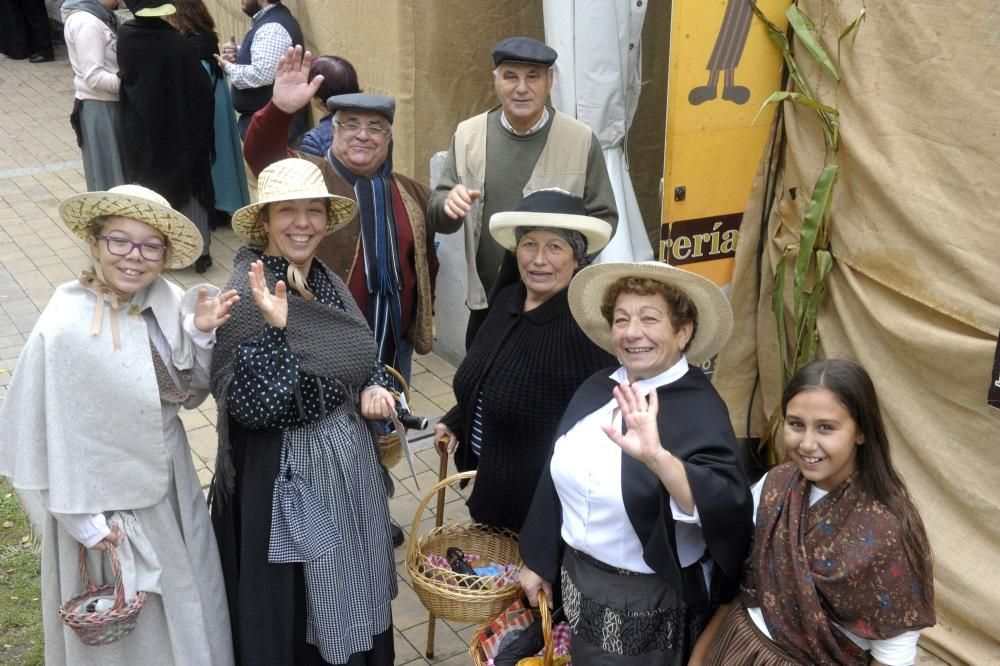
point(499, 157)
point(386, 254)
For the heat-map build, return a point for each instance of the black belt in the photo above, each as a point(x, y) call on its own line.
point(597, 564)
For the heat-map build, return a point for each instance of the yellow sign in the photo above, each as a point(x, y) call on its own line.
point(723, 66)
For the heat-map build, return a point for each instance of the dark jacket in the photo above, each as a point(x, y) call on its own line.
point(319, 139)
point(168, 112)
point(526, 366)
point(694, 426)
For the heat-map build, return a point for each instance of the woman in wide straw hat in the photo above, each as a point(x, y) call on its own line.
point(644, 507)
point(298, 503)
point(91, 439)
point(527, 360)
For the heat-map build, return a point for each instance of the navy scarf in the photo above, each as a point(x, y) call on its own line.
point(380, 248)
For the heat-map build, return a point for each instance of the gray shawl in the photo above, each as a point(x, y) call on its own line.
point(328, 342)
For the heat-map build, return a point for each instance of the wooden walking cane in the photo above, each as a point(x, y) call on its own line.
point(442, 449)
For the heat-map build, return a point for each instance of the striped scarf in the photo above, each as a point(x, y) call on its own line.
point(380, 249)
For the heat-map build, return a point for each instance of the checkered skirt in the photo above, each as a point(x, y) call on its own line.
point(330, 513)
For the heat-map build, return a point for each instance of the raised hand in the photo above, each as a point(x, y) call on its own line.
point(292, 87)
point(211, 313)
point(642, 437)
point(273, 307)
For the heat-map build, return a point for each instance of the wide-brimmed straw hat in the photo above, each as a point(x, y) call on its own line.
point(138, 203)
point(554, 209)
point(715, 315)
point(287, 180)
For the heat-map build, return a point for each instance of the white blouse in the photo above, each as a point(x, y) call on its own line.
point(897, 651)
point(586, 470)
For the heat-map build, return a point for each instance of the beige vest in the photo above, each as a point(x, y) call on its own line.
point(562, 163)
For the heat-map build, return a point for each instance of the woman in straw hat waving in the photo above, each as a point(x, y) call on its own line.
point(92, 441)
point(527, 359)
point(643, 513)
point(299, 507)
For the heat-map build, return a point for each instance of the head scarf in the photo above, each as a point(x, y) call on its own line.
point(94, 7)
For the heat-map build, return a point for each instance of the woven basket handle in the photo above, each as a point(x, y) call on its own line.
point(440, 485)
point(116, 568)
point(550, 648)
point(402, 382)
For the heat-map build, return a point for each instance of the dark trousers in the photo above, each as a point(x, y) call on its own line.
point(39, 30)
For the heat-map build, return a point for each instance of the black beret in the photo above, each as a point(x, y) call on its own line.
point(523, 49)
point(381, 104)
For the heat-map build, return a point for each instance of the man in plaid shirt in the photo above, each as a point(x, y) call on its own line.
point(250, 66)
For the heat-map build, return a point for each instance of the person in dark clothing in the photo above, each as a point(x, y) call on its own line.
point(228, 173)
point(26, 31)
point(527, 360)
point(339, 78)
point(167, 115)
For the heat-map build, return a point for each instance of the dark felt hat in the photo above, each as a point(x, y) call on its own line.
point(380, 104)
point(523, 49)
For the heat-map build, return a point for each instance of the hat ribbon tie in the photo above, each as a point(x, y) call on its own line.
point(297, 280)
point(92, 281)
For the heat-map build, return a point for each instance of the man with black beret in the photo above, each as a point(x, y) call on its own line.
point(498, 157)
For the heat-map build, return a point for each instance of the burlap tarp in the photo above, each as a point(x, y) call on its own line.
point(914, 293)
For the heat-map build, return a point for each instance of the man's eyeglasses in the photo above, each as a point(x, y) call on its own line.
point(121, 247)
point(355, 128)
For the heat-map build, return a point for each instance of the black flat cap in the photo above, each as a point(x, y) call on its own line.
point(523, 49)
point(380, 104)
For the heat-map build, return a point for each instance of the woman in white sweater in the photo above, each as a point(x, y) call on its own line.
point(90, 28)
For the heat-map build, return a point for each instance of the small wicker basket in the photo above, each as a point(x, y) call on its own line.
point(454, 596)
point(101, 627)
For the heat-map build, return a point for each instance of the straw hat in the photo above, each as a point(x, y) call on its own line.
point(138, 203)
point(554, 209)
point(715, 315)
point(287, 180)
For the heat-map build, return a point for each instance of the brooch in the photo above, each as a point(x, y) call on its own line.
point(134, 310)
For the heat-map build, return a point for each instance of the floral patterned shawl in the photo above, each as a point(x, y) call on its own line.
point(840, 561)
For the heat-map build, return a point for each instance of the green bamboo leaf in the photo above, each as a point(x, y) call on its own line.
point(807, 352)
point(798, 98)
point(852, 29)
point(778, 306)
point(805, 30)
point(817, 211)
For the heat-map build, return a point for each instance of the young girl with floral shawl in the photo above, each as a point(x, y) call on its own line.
point(91, 439)
point(840, 571)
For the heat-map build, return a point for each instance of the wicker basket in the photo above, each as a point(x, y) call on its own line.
point(543, 615)
point(104, 626)
point(454, 596)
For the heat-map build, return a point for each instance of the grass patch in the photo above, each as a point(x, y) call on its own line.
point(21, 639)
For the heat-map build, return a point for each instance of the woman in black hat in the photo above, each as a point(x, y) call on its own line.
point(527, 359)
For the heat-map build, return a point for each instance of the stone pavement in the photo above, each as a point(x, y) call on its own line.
point(39, 166)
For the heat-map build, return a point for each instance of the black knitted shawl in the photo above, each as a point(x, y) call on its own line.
point(328, 341)
point(527, 366)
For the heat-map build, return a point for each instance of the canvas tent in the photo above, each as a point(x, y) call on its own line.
point(913, 294)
